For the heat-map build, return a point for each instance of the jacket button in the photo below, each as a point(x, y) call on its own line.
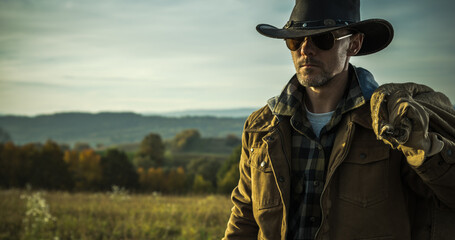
point(281, 178)
point(252, 150)
point(363, 155)
point(449, 152)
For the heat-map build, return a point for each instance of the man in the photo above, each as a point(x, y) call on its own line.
point(337, 157)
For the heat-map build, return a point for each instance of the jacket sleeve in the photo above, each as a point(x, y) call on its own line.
point(242, 224)
point(438, 173)
point(437, 169)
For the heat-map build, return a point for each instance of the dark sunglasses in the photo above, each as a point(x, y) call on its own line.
point(324, 41)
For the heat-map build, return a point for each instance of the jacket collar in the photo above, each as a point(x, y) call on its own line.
point(264, 120)
point(366, 82)
point(291, 97)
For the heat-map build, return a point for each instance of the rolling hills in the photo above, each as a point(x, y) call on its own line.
point(110, 128)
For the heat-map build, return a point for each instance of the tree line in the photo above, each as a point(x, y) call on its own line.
point(175, 166)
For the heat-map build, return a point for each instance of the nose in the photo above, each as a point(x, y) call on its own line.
point(307, 47)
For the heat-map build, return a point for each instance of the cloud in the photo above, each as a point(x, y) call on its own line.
point(160, 55)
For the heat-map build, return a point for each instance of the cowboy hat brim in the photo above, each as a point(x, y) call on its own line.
point(378, 33)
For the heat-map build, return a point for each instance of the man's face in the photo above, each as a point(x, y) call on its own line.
point(316, 67)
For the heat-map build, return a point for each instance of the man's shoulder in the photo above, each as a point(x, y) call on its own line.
point(260, 120)
point(362, 115)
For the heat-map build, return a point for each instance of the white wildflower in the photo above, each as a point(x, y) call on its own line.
point(119, 193)
point(37, 213)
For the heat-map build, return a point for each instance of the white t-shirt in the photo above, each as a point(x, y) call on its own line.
point(318, 120)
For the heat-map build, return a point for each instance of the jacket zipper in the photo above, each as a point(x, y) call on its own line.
point(350, 131)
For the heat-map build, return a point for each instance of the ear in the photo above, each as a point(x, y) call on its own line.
point(356, 44)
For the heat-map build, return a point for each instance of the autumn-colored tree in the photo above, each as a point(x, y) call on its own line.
point(29, 153)
point(142, 177)
point(40, 166)
point(184, 140)
point(159, 180)
point(152, 179)
point(175, 180)
point(200, 185)
point(229, 181)
point(205, 166)
point(118, 170)
point(85, 166)
point(232, 140)
point(228, 175)
point(13, 170)
point(151, 152)
point(48, 170)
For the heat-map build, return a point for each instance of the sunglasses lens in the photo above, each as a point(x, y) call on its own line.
point(293, 44)
point(323, 41)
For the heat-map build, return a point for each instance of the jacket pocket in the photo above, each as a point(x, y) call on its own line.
point(363, 176)
point(264, 189)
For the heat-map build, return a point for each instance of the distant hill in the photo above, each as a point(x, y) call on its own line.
point(112, 128)
point(233, 112)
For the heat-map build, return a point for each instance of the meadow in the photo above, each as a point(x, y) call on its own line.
point(112, 215)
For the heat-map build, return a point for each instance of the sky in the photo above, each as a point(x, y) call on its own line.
point(155, 56)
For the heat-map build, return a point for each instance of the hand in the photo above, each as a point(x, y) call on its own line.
point(401, 122)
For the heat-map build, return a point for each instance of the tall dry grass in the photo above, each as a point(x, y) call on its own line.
point(116, 216)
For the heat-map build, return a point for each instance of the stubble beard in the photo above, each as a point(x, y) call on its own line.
point(309, 79)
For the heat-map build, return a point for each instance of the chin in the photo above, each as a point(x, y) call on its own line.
point(316, 81)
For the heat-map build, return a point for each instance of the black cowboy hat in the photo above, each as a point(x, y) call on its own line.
point(312, 17)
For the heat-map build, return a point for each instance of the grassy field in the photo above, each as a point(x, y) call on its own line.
point(111, 216)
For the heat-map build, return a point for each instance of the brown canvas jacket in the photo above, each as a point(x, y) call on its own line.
point(370, 191)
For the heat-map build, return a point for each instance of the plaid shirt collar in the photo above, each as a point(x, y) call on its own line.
point(291, 98)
